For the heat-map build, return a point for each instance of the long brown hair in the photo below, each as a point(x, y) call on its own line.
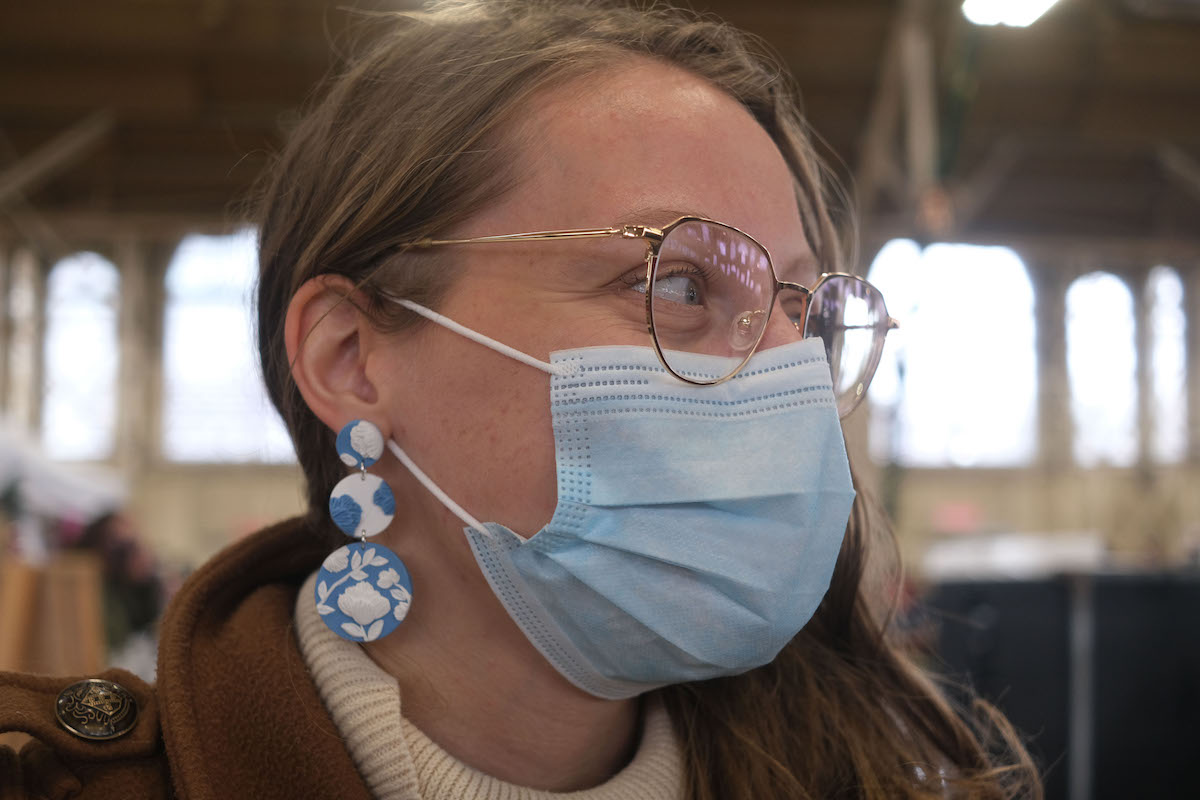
point(413, 138)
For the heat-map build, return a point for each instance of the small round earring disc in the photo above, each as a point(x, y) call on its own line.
point(359, 444)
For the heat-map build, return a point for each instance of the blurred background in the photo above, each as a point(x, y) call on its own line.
point(1025, 176)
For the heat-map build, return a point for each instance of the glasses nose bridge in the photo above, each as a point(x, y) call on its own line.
point(800, 289)
point(782, 327)
point(791, 286)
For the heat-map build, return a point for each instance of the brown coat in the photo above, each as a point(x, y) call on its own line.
point(234, 713)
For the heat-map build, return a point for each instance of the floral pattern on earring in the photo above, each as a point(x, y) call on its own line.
point(363, 592)
point(363, 589)
point(359, 444)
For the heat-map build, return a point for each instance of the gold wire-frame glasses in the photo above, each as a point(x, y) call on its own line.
point(849, 389)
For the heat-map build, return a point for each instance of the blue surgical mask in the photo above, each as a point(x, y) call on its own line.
point(697, 527)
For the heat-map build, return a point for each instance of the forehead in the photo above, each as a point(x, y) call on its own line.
point(649, 139)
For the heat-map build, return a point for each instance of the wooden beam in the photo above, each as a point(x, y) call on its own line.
point(1060, 249)
point(878, 156)
point(972, 194)
point(55, 156)
point(920, 98)
point(295, 28)
point(1181, 167)
point(904, 109)
point(98, 226)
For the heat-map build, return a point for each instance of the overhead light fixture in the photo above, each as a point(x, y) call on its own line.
point(1014, 13)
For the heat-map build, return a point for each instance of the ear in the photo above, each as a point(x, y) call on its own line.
point(329, 339)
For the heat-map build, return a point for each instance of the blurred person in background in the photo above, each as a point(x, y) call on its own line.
point(133, 590)
point(666, 595)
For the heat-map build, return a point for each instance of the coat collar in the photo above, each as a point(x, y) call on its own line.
point(239, 712)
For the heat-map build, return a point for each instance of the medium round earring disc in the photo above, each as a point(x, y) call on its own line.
point(362, 505)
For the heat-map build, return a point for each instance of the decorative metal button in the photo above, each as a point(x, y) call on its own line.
point(97, 709)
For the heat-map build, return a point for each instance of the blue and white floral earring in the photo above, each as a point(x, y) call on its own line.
point(363, 590)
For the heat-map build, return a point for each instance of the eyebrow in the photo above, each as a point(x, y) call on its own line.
point(657, 215)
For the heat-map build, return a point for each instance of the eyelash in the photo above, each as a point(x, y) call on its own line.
point(634, 279)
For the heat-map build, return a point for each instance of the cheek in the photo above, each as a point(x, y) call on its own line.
point(481, 424)
point(515, 471)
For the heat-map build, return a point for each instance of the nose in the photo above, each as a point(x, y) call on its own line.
point(780, 329)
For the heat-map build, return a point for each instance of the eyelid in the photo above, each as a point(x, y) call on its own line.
point(635, 278)
point(680, 267)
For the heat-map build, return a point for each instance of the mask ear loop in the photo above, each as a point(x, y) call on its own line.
point(562, 370)
point(437, 492)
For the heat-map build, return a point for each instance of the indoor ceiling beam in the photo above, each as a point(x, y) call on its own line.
point(903, 112)
point(1180, 251)
point(920, 98)
point(878, 158)
point(86, 225)
point(972, 195)
point(56, 156)
point(1183, 168)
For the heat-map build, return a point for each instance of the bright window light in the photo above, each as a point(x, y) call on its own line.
point(1014, 13)
point(1102, 370)
point(957, 383)
point(215, 408)
point(79, 405)
point(1168, 366)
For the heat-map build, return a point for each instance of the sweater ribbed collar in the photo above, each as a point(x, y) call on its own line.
point(399, 762)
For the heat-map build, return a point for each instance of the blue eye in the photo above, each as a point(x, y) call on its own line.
point(681, 287)
point(678, 289)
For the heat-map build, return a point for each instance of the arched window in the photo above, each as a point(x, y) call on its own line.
point(957, 385)
point(215, 408)
point(80, 358)
point(1168, 365)
point(1102, 369)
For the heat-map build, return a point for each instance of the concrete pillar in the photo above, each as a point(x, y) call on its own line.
point(1136, 279)
point(1055, 427)
point(25, 310)
point(156, 258)
point(1051, 273)
point(133, 399)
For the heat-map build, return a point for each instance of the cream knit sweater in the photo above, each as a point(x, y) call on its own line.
point(398, 762)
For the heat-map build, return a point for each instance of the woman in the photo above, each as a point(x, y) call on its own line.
point(687, 485)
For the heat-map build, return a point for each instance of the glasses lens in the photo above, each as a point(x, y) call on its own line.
point(849, 315)
point(712, 288)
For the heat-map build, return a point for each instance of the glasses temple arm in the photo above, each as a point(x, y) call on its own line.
point(891, 326)
point(533, 236)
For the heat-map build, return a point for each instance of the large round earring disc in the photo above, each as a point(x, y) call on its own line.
point(363, 591)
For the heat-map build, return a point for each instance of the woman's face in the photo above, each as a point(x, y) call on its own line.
point(643, 144)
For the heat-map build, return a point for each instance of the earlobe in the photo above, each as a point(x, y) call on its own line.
point(328, 337)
